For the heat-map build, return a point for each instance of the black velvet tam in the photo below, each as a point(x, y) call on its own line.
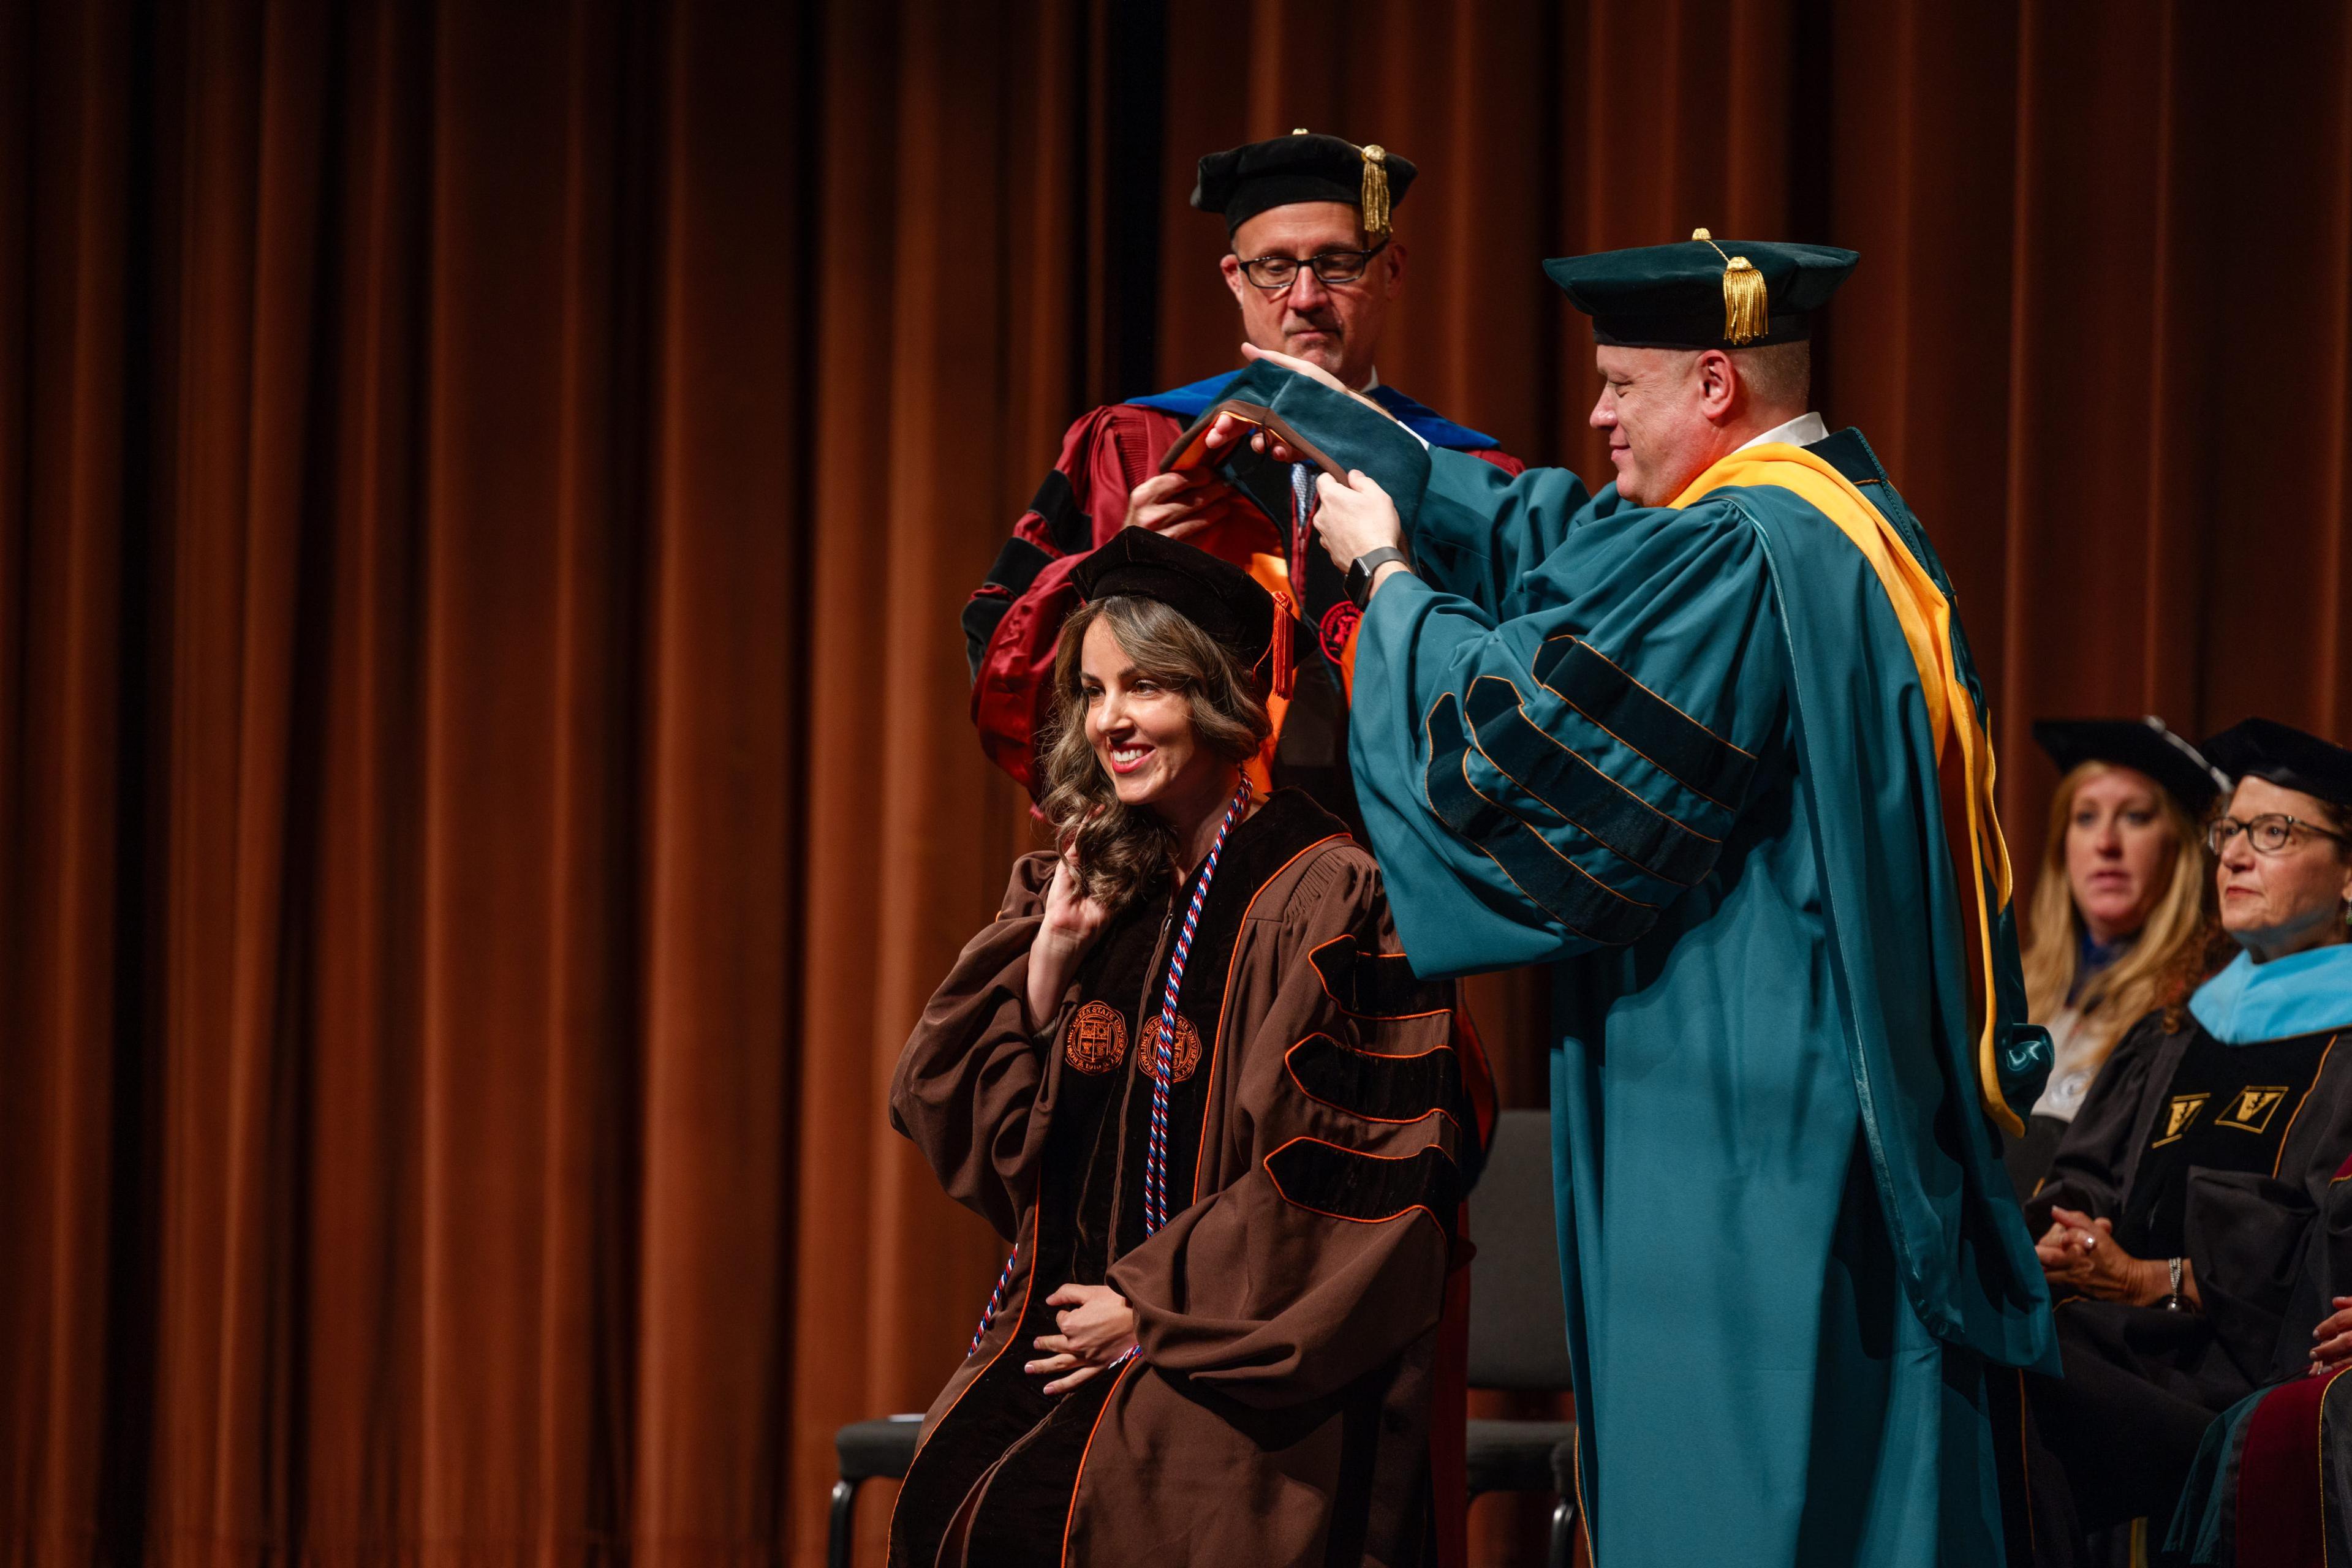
point(1244, 182)
point(1672, 296)
point(2144, 745)
point(2288, 756)
point(1217, 596)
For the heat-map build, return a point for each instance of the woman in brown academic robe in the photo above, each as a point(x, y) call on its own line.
point(1188, 1074)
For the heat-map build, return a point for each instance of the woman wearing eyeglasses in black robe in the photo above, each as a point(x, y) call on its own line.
point(2185, 1206)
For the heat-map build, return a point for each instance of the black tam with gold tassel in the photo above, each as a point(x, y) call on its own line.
point(1244, 182)
point(1703, 293)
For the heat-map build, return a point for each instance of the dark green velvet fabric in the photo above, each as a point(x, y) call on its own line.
point(1670, 295)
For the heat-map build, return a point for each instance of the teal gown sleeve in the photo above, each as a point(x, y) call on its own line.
point(1480, 534)
point(1548, 783)
point(1554, 726)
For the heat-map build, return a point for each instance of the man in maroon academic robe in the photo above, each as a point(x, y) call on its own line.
point(1314, 266)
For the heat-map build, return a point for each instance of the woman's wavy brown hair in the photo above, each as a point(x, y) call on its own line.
point(2172, 944)
point(1122, 851)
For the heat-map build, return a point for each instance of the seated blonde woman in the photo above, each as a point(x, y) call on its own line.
point(1188, 1074)
point(2118, 912)
point(2188, 1215)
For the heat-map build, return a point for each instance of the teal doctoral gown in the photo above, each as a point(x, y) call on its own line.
point(1683, 755)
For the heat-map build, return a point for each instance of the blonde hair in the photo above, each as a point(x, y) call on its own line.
point(1121, 850)
point(2171, 943)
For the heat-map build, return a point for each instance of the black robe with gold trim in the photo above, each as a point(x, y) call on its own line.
point(2220, 1154)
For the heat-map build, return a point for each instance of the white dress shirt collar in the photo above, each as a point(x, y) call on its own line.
point(1801, 431)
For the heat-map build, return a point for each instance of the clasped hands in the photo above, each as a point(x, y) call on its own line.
point(2080, 1253)
point(1098, 1329)
point(1354, 516)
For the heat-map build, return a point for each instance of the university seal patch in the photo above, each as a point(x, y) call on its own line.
point(1333, 629)
point(1187, 1052)
point(1095, 1040)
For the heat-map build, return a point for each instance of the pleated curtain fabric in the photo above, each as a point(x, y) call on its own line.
point(486, 493)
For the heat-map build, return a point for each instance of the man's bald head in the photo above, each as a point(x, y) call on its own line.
point(1671, 414)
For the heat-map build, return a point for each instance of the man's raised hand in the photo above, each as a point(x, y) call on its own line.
point(1179, 504)
point(1226, 428)
point(1356, 517)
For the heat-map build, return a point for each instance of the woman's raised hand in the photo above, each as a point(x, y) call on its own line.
point(1072, 922)
point(1072, 919)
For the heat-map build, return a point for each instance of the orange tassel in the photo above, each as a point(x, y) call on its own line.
point(1282, 661)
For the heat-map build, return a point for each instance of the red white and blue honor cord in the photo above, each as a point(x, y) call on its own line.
point(1155, 1170)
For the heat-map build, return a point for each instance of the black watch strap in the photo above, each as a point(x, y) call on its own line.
point(1361, 570)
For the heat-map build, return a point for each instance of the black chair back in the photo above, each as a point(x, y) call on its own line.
point(1519, 1332)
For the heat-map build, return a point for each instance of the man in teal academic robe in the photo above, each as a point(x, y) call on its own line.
point(1711, 742)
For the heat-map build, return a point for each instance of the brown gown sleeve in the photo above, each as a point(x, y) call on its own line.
point(970, 1081)
point(1328, 1254)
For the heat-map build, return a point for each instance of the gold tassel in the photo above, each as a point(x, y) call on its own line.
point(1746, 309)
point(1746, 304)
point(1376, 192)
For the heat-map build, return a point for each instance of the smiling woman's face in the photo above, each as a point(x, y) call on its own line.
point(1142, 730)
point(2282, 904)
point(2119, 852)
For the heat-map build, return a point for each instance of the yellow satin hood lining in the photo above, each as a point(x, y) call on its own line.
point(1926, 616)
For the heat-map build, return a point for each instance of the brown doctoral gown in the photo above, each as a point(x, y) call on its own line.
point(1289, 1314)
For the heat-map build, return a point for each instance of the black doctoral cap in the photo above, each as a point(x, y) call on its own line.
point(1216, 595)
point(2265, 748)
point(1244, 182)
point(2144, 745)
point(1703, 293)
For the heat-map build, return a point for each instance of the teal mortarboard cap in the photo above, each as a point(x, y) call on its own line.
point(1703, 293)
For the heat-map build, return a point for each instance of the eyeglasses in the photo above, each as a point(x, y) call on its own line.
point(1275, 272)
point(2271, 834)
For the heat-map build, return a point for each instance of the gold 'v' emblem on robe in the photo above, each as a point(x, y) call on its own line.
point(2179, 1111)
point(2252, 1108)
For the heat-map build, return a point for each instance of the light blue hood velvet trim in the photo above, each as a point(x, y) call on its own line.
point(2302, 993)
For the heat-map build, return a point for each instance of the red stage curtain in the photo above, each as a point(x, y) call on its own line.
point(486, 490)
